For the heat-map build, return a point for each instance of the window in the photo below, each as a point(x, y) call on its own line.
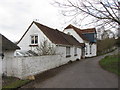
point(34, 39)
point(90, 49)
point(86, 50)
point(68, 52)
point(68, 33)
point(75, 51)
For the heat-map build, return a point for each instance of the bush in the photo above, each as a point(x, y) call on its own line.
point(106, 45)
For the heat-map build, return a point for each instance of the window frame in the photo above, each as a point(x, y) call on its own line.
point(68, 51)
point(90, 49)
point(75, 51)
point(34, 39)
point(86, 50)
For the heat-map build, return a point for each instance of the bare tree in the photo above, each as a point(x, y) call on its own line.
point(105, 12)
point(105, 35)
point(46, 48)
point(105, 45)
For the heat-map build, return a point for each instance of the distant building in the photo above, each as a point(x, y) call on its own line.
point(85, 36)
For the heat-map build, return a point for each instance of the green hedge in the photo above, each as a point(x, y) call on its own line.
point(111, 63)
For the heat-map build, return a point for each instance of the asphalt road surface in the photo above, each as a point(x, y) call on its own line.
point(85, 73)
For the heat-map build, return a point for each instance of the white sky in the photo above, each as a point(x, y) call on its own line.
point(17, 15)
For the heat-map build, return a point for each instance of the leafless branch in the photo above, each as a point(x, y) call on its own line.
point(106, 11)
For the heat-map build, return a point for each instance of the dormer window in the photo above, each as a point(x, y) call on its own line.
point(34, 39)
point(69, 33)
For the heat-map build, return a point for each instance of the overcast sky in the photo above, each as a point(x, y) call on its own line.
point(17, 15)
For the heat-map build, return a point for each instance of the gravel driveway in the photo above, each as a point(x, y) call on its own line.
point(85, 73)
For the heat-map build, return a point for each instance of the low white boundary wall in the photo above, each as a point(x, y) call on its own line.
point(0, 73)
point(22, 67)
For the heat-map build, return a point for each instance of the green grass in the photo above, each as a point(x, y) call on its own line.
point(111, 63)
point(15, 84)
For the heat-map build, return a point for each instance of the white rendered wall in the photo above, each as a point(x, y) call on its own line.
point(74, 34)
point(24, 66)
point(93, 47)
point(93, 50)
point(0, 62)
point(26, 40)
point(6, 64)
point(62, 52)
point(1, 73)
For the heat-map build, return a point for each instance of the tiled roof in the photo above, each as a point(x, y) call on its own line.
point(71, 40)
point(55, 36)
point(7, 44)
point(81, 31)
point(89, 30)
point(77, 30)
point(69, 26)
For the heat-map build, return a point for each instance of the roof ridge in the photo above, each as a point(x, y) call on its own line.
point(54, 35)
point(87, 28)
point(43, 25)
point(62, 35)
point(78, 31)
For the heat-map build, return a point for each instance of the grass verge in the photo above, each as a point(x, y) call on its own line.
point(15, 85)
point(111, 63)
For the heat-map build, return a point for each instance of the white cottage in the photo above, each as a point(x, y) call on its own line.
point(86, 36)
point(7, 49)
point(65, 45)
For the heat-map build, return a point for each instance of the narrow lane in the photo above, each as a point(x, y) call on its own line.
point(80, 74)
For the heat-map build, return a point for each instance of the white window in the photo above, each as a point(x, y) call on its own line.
point(75, 51)
point(67, 51)
point(34, 39)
